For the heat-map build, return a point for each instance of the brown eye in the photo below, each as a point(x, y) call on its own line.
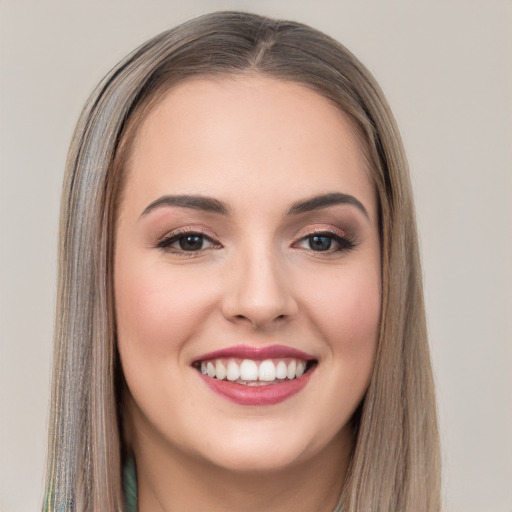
point(186, 243)
point(191, 242)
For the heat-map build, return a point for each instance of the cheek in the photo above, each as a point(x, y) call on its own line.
point(347, 312)
point(156, 311)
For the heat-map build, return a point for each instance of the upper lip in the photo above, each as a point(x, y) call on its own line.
point(256, 353)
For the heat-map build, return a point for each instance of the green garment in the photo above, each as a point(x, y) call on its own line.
point(130, 486)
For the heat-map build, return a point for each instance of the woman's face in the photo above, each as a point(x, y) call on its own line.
point(247, 275)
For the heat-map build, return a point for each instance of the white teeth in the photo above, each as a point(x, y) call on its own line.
point(281, 370)
point(220, 370)
point(210, 369)
point(248, 370)
point(301, 368)
point(251, 372)
point(267, 371)
point(291, 369)
point(233, 371)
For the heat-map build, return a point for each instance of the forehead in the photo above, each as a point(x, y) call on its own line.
point(244, 134)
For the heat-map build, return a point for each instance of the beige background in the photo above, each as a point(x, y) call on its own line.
point(446, 67)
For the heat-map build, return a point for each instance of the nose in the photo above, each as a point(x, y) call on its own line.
point(259, 293)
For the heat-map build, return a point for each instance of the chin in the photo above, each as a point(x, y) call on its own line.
point(267, 451)
point(256, 459)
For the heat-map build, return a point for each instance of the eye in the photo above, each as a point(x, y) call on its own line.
point(319, 242)
point(186, 242)
point(191, 242)
point(325, 242)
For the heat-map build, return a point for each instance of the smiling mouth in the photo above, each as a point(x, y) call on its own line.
point(252, 372)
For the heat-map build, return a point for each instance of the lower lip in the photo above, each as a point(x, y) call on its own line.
point(268, 394)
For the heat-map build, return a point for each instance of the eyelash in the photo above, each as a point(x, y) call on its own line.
point(345, 243)
point(166, 243)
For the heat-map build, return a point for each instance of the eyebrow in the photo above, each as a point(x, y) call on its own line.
point(324, 201)
point(210, 204)
point(207, 204)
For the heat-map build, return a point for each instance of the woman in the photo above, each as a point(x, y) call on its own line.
point(240, 316)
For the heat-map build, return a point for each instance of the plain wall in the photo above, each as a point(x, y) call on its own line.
point(446, 68)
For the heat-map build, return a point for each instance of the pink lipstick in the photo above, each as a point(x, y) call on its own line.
point(256, 375)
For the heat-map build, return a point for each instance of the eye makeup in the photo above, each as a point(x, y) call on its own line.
point(326, 241)
point(328, 232)
point(187, 241)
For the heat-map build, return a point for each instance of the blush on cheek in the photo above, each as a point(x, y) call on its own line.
point(353, 309)
point(365, 314)
point(156, 314)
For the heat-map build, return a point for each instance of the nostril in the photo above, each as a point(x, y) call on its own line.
point(248, 318)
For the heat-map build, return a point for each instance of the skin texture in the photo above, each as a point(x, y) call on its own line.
point(259, 145)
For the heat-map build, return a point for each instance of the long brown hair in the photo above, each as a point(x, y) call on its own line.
point(395, 464)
